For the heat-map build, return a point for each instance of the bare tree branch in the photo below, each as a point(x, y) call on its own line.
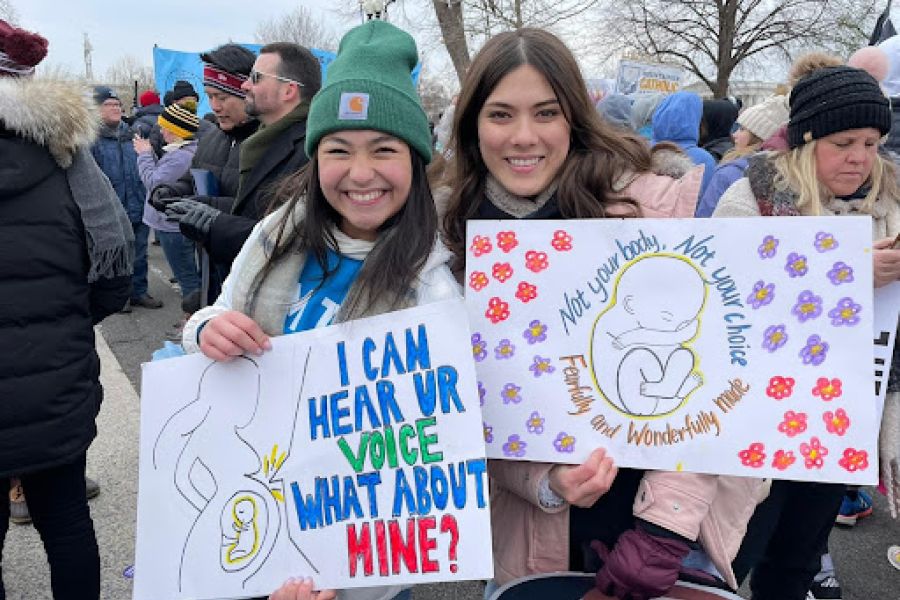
point(713, 38)
point(300, 27)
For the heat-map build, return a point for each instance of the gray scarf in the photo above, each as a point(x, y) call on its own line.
point(110, 238)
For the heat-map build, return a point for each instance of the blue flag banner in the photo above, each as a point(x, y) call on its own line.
point(171, 65)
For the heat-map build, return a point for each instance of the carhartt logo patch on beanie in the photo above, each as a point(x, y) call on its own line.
point(180, 119)
point(369, 86)
point(834, 99)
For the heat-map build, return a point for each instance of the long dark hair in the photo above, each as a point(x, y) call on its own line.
point(404, 241)
point(598, 154)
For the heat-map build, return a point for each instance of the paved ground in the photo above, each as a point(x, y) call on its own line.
point(126, 341)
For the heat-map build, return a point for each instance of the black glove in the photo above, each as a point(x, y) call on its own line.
point(194, 218)
point(162, 196)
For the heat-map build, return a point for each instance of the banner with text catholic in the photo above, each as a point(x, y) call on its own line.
point(647, 78)
point(351, 454)
point(730, 346)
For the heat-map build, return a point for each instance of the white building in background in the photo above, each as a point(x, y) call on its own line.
point(750, 92)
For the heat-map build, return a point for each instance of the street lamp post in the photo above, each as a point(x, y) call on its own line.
point(374, 9)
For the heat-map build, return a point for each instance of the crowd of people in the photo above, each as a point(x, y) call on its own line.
point(291, 209)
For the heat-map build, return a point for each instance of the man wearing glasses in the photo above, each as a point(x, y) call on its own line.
point(278, 91)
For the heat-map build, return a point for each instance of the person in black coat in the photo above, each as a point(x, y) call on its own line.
point(218, 151)
point(715, 127)
point(66, 252)
point(284, 79)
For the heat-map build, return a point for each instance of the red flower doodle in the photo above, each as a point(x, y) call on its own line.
point(526, 292)
point(506, 240)
point(854, 460)
point(780, 387)
point(793, 423)
point(497, 311)
point(481, 245)
point(478, 280)
point(754, 456)
point(562, 241)
point(827, 389)
point(502, 272)
point(783, 459)
point(813, 453)
point(836, 422)
point(536, 261)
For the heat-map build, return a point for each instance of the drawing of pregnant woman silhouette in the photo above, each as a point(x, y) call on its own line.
point(640, 351)
point(216, 471)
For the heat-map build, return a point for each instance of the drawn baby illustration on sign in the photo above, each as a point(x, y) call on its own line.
point(641, 356)
point(238, 516)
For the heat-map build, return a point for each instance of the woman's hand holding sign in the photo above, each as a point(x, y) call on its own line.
point(301, 589)
point(232, 334)
point(583, 485)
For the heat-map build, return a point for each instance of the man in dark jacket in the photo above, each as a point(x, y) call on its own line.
point(218, 151)
point(278, 91)
point(715, 127)
point(114, 153)
point(65, 263)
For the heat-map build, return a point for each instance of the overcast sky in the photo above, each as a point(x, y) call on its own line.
point(117, 28)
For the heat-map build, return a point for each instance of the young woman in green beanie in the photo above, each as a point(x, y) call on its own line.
point(527, 143)
point(357, 233)
point(838, 116)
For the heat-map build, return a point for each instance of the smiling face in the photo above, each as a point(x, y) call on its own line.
point(366, 177)
point(844, 159)
point(523, 136)
point(111, 112)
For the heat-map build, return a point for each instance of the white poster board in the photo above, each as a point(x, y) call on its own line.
point(732, 346)
point(647, 78)
point(352, 454)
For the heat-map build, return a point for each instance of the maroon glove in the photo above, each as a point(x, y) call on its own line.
point(641, 566)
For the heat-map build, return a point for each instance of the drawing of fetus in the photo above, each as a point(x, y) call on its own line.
point(215, 471)
point(640, 352)
point(240, 533)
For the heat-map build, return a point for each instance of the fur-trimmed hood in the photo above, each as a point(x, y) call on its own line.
point(53, 113)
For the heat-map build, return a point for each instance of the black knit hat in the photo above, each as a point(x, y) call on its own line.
point(183, 89)
point(834, 99)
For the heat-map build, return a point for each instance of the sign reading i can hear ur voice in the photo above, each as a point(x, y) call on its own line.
point(731, 346)
point(352, 454)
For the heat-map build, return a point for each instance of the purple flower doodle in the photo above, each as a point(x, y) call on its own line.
point(761, 295)
point(845, 313)
point(510, 393)
point(504, 350)
point(796, 265)
point(564, 442)
point(479, 347)
point(514, 447)
point(809, 306)
point(825, 242)
point(774, 337)
point(840, 273)
point(814, 351)
point(541, 366)
point(535, 423)
point(536, 332)
point(488, 433)
point(768, 247)
point(481, 393)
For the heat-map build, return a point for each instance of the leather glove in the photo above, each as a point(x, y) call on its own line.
point(889, 451)
point(194, 218)
point(162, 196)
point(641, 566)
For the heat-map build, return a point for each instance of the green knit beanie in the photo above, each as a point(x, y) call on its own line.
point(369, 86)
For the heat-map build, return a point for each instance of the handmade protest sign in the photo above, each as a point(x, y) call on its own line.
point(887, 307)
point(732, 346)
point(352, 454)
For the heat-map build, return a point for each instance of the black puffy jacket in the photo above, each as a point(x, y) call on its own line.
point(49, 374)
